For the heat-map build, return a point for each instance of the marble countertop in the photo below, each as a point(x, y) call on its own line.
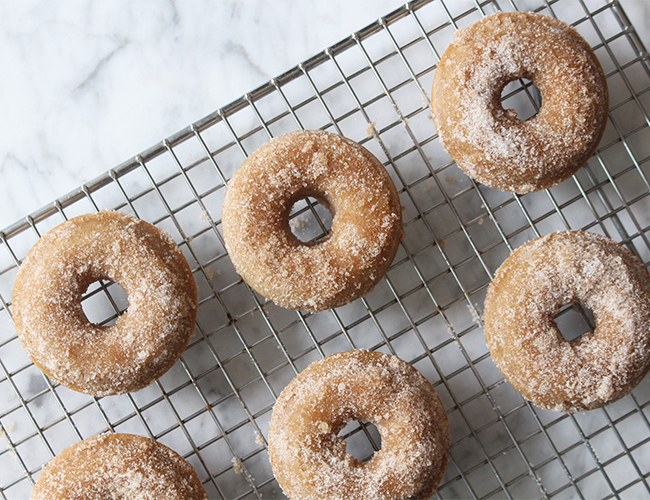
point(87, 85)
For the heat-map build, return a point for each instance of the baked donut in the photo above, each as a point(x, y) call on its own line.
point(144, 342)
point(341, 175)
point(527, 292)
point(310, 461)
point(491, 144)
point(118, 466)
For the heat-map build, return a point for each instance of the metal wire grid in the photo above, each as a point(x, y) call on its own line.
point(214, 406)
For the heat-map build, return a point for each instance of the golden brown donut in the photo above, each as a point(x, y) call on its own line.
point(310, 461)
point(491, 144)
point(343, 176)
point(121, 466)
point(527, 292)
point(145, 341)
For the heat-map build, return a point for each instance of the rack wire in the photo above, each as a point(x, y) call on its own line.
point(215, 405)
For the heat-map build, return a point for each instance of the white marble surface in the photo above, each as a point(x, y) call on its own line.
point(86, 85)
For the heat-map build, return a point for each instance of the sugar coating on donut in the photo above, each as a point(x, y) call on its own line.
point(347, 179)
point(310, 460)
point(144, 342)
point(491, 144)
point(529, 289)
point(118, 466)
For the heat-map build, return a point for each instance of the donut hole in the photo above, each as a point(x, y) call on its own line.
point(362, 439)
point(574, 320)
point(522, 98)
point(310, 220)
point(104, 302)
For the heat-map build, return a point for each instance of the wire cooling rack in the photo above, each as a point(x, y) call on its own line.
point(215, 405)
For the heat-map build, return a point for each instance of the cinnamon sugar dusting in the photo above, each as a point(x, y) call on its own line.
point(527, 292)
point(118, 466)
point(310, 460)
point(346, 178)
point(145, 341)
point(491, 144)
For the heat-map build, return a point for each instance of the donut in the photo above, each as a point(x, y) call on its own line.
point(310, 461)
point(527, 292)
point(118, 466)
point(341, 175)
point(491, 144)
point(145, 341)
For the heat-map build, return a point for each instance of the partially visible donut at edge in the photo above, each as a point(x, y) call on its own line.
point(344, 177)
point(145, 341)
point(122, 466)
point(527, 292)
point(491, 144)
point(309, 458)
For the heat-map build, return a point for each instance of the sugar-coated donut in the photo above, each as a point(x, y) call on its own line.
point(144, 342)
point(527, 292)
point(121, 466)
point(491, 144)
point(310, 461)
point(343, 176)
